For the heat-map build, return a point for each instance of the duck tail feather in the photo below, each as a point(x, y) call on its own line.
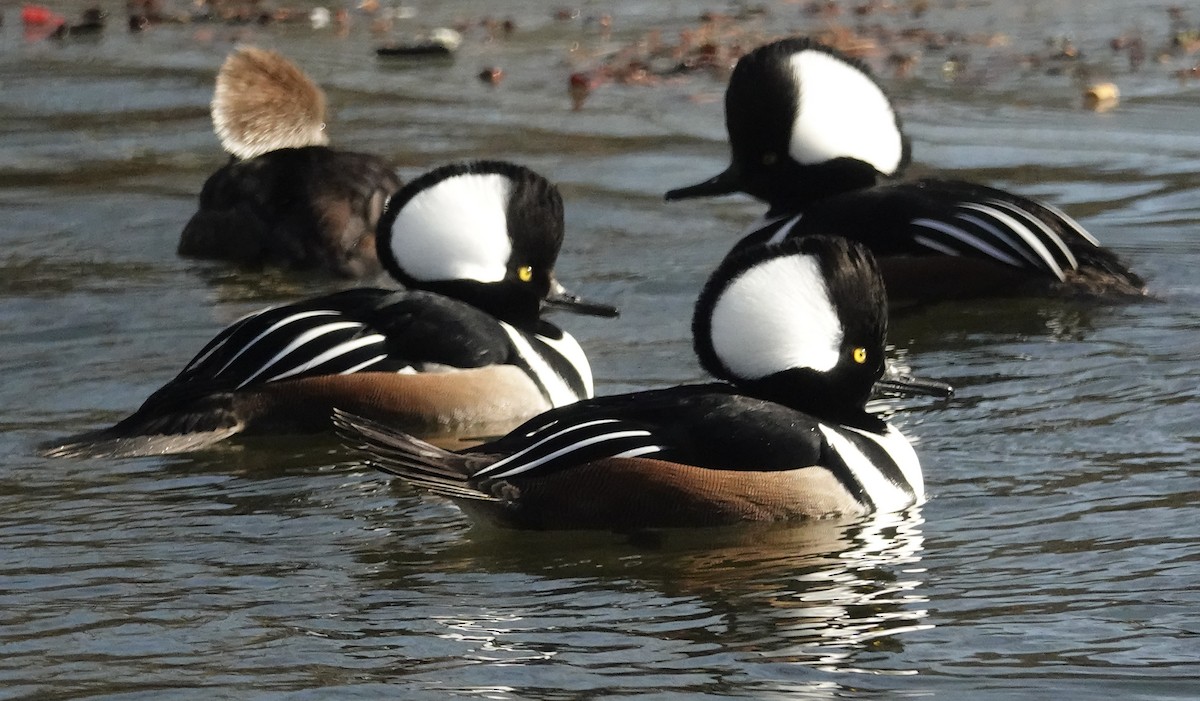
point(419, 463)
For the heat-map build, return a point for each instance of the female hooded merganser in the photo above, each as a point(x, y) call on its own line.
point(463, 348)
point(813, 135)
point(285, 198)
point(796, 331)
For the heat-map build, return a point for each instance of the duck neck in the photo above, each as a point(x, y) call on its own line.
point(818, 397)
point(502, 302)
point(795, 191)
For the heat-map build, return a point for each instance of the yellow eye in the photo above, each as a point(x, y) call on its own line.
point(860, 355)
point(525, 272)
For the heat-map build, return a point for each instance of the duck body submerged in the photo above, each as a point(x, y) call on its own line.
point(308, 208)
point(285, 199)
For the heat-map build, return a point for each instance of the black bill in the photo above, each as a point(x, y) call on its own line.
point(560, 298)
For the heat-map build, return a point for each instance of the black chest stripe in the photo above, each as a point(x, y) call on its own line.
point(870, 459)
point(546, 366)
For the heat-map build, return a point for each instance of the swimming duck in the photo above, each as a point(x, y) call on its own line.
point(814, 135)
point(285, 198)
point(795, 334)
point(463, 348)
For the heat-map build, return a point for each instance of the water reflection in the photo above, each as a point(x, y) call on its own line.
point(966, 324)
point(819, 594)
point(835, 596)
point(1062, 545)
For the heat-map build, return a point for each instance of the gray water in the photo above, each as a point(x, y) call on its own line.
point(1057, 555)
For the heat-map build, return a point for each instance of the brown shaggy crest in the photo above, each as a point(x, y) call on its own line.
point(264, 102)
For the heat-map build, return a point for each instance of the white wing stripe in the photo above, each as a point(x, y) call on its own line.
point(936, 245)
point(569, 449)
point(762, 223)
point(205, 355)
point(1066, 219)
point(1049, 233)
point(635, 452)
point(968, 238)
point(340, 349)
point(300, 341)
point(1022, 231)
point(521, 453)
point(362, 365)
point(1015, 245)
point(782, 232)
point(276, 325)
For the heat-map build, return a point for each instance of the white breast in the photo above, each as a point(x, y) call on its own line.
point(886, 495)
point(556, 386)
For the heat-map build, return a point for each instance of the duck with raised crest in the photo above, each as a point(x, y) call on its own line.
point(464, 349)
point(285, 199)
point(795, 333)
point(814, 136)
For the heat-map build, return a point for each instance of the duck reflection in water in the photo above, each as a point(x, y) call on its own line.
point(836, 595)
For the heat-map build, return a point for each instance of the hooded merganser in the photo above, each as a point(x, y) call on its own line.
point(815, 136)
point(285, 198)
point(463, 348)
point(796, 331)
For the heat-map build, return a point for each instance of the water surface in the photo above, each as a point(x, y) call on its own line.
point(1059, 552)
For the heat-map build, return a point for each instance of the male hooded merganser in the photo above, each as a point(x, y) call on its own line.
point(815, 136)
point(796, 331)
point(463, 348)
point(285, 198)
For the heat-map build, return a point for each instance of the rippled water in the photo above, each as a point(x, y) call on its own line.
point(1059, 552)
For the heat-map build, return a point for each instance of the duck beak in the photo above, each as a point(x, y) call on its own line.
point(726, 183)
point(560, 298)
point(898, 383)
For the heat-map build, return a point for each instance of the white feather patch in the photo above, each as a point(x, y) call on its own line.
point(776, 315)
point(842, 113)
point(556, 386)
point(886, 495)
point(455, 230)
point(570, 349)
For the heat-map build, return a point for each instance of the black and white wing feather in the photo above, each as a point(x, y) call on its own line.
point(287, 342)
point(944, 217)
point(699, 425)
point(359, 330)
point(1011, 230)
point(555, 445)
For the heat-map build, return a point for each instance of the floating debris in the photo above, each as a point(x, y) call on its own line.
point(93, 22)
point(320, 17)
point(1101, 97)
point(442, 41)
point(492, 75)
point(580, 86)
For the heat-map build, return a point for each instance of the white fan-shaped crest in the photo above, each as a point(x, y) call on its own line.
point(457, 229)
point(775, 316)
point(842, 113)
